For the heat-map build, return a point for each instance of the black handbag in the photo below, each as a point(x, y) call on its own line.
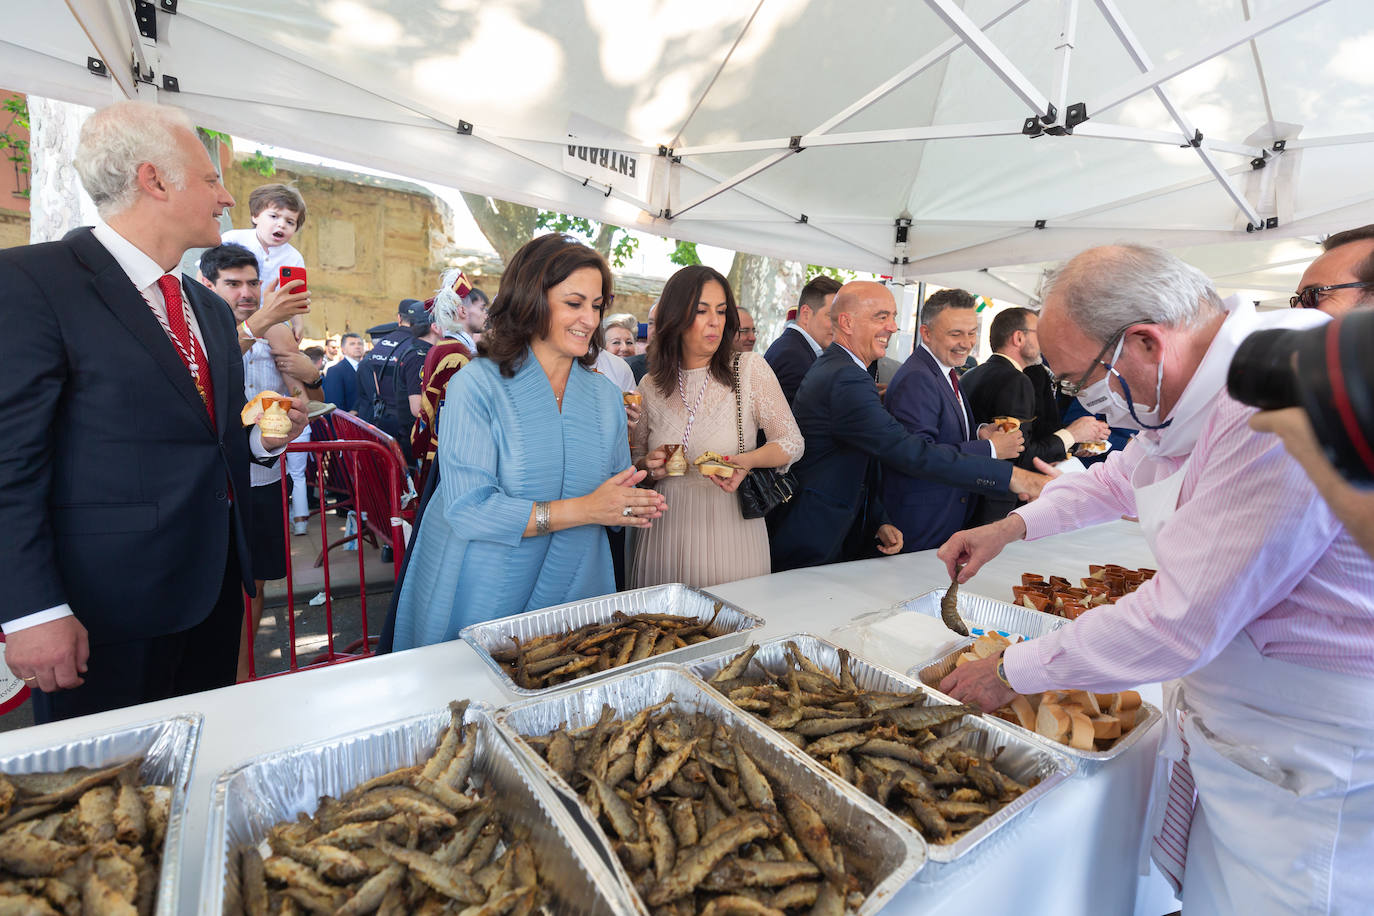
point(763, 489)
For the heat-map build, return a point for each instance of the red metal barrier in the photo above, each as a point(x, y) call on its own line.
point(360, 472)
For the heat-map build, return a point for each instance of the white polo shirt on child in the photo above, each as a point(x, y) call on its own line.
point(269, 259)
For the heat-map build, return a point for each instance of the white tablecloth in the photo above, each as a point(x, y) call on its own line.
point(1074, 852)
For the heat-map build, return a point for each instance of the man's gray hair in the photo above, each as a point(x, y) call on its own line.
point(447, 303)
point(116, 140)
point(621, 320)
point(1108, 288)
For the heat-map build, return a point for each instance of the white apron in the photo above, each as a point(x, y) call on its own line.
point(1282, 757)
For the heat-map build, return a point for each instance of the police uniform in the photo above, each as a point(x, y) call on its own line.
point(389, 374)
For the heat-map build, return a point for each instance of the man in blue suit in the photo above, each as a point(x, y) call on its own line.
point(837, 513)
point(341, 381)
point(925, 398)
point(803, 339)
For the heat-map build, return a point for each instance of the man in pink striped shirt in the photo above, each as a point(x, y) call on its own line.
point(1260, 620)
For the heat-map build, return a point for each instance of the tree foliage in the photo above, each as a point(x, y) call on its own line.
point(258, 163)
point(685, 253)
point(17, 148)
point(615, 244)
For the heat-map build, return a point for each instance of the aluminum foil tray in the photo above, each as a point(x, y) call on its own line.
point(1022, 758)
point(984, 614)
point(933, 672)
point(250, 798)
point(168, 749)
point(729, 629)
point(884, 855)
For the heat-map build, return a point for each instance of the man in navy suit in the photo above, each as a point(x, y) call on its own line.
point(341, 381)
point(124, 478)
point(803, 339)
point(925, 398)
point(837, 513)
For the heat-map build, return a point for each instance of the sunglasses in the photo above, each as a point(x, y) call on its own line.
point(1307, 298)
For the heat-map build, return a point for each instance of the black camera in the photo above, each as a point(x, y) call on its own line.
point(1327, 371)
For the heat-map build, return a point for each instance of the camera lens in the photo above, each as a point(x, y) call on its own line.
point(1263, 373)
point(1338, 392)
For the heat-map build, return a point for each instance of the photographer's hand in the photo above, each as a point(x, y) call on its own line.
point(1354, 507)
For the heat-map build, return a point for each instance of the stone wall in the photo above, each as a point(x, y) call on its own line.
point(367, 242)
point(14, 228)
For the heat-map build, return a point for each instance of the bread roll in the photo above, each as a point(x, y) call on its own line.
point(1082, 734)
point(1025, 714)
point(253, 410)
point(1106, 728)
point(1052, 722)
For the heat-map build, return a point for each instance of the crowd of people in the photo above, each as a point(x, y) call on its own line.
point(558, 446)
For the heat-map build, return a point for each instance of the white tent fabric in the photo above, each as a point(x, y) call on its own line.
point(801, 129)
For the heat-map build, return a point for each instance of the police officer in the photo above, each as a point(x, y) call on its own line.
point(389, 376)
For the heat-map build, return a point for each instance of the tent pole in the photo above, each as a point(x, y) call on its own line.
point(1137, 53)
point(992, 56)
point(1068, 29)
point(1190, 59)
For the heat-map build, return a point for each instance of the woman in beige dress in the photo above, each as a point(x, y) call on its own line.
point(689, 400)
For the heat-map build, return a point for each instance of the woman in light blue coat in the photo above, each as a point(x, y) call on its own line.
point(533, 458)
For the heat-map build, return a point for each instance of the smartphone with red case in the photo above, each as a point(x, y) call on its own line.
point(286, 274)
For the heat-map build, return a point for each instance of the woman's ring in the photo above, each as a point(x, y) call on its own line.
point(27, 679)
point(628, 511)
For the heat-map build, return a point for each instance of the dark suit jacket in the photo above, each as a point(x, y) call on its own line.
point(639, 364)
point(849, 436)
point(921, 399)
point(115, 490)
point(341, 385)
point(790, 356)
point(998, 389)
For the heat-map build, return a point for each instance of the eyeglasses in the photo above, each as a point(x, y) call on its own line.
point(746, 331)
point(1307, 298)
point(1071, 389)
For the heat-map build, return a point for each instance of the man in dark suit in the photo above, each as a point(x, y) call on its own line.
point(837, 513)
point(123, 494)
point(639, 363)
point(925, 398)
point(1003, 387)
point(341, 379)
point(803, 339)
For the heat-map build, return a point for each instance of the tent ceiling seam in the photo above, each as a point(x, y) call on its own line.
point(1136, 50)
point(1259, 67)
point(677, 137)
point(992, 57)
point(1200, 54)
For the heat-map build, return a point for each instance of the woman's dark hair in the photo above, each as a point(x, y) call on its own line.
point(675, 313)
point(520, 311)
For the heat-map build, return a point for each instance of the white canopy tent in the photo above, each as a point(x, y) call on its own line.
point(923, 139)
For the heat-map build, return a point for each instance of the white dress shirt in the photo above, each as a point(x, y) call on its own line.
point(815, 347)
point(963, 411)
point(144, 273)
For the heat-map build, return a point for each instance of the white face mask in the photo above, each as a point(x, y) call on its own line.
point(1122, 413)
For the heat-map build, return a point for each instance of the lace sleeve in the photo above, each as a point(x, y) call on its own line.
point(770, 408)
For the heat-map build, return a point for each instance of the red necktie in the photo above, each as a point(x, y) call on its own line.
point(187, 346)
point(963, 418)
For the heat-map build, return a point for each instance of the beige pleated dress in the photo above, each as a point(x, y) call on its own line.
point(703, 540)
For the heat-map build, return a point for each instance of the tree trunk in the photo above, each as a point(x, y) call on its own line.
point(766, 288)
point(57, 204)
point(507, 226)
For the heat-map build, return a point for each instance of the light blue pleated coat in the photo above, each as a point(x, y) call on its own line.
point(503, 445)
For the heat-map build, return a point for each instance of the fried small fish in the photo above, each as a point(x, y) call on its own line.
point(949, 606)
